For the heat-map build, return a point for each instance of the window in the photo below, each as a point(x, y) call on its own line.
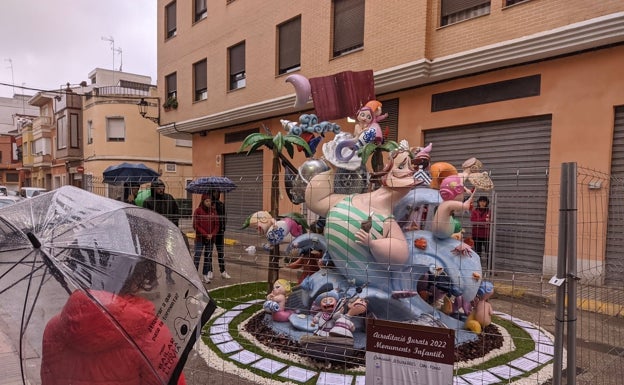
point(115, 129)
point(200, 82)
point(200, 10)
point(170, 20)
point(171, 84)
point(289, 41)
point(454, 11)
point(61, 133)
point(237, 66)
point(348, 26)
point(513, 2)
point(89, 131)
point(74, 131)
point(170, 167)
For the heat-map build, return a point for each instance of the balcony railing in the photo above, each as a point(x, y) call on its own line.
point(42, 123)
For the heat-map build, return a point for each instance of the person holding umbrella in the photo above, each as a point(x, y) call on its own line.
point(220, 238)
point(165, 205)
point(206, 223)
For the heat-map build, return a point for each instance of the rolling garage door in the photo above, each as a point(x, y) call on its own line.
point(246, 172)
point(517, 153)
point(614, 257)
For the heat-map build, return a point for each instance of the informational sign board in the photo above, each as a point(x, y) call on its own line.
point(399, 353)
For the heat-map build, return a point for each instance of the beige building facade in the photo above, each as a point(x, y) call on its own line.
point(522, 85)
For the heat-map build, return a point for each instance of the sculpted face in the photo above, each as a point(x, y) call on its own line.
point(328, 304)
point(365, 116)
point(402, 173)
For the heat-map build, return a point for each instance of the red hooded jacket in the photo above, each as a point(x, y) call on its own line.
point(205, 219)
point(82, 346)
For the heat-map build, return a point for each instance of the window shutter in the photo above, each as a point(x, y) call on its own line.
point(116, 128)
point(290, 45)
point(200, 75)
point(450, 7)
point(171, 18)
point(348, 24)
point(237, 59)
point(171, 83)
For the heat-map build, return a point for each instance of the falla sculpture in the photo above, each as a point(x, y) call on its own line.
point(389, 252)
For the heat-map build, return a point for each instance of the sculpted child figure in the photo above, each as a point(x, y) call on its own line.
point(276, 300)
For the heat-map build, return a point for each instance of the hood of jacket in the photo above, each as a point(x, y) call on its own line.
point(87, 327)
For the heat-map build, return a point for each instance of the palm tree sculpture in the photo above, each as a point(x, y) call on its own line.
point(276, 144)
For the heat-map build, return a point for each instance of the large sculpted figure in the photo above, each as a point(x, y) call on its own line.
point(373, 250)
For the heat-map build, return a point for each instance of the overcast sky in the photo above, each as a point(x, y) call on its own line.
point(51, 42)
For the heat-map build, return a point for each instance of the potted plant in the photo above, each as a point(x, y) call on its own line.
point(172, 102)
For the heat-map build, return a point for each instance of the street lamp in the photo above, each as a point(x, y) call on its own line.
point(143, 104)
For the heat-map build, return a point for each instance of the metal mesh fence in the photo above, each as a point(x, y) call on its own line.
point(240, 347)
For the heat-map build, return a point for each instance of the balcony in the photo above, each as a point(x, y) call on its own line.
point(42, 160)
point(42, 125)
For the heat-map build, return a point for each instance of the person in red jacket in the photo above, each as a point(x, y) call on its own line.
point(83, 345)
point(480, 218)
point(206, 225)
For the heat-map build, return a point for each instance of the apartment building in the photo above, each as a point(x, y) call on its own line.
point(15, 113)
point(523, 85)
point(84, 128)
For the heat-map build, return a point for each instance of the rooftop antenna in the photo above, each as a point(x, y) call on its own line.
point(111, 40)
point(120, 52)
point(12, 78)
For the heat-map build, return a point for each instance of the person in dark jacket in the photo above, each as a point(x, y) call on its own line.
point(220, 238)
point(165, 205)
point(162, 202)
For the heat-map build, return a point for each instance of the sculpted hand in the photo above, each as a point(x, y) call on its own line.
point(362, 237)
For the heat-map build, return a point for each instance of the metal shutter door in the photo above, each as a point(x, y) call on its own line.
point(614, 260)
point(517, 154)
point(246, 172)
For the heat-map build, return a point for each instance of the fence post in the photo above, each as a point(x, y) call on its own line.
point(566, 270)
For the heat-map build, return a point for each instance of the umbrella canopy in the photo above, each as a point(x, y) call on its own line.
point(70, 256)
point(135, 173)
point(210, 183)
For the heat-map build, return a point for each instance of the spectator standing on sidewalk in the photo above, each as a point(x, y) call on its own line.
point(206, 226)
point(165, 205)
point(220, 238)
point(480, 218)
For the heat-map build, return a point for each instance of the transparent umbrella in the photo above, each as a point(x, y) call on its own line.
point(78, 262)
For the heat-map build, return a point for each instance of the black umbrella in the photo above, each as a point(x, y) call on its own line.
point(100, 253)
point(134, 173)
point(207, 184)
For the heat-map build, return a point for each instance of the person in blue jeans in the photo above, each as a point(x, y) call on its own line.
point(206, 225)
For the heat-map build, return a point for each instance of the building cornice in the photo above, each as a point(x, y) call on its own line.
point(581, 36)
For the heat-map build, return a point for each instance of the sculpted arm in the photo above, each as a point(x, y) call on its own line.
point(319, 195)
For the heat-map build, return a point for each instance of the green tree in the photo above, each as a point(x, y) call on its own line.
point(276, 144)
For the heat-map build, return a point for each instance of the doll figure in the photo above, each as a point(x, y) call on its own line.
point(344, 326)
point(276, 231)
point(324, 317)
point(276, 301)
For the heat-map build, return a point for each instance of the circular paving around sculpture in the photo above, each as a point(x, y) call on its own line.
point(532, 368)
